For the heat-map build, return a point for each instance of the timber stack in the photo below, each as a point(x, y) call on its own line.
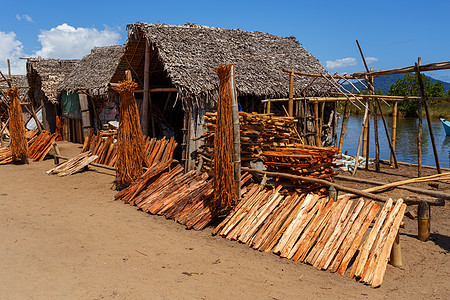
point(316, 230)
point(39, 144)
point(105, 147)
point(302, 160)
point(258, 132)
point(73, 165)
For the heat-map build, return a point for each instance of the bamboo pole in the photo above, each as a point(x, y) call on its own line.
point(387, 136)
point(145, 98)
point(394, 131)
point(365, 134)
point(344, 125)
point(377, 145)
point(236, 134)
point(291, 94)
point(430, 128)
point(366, 112)
point(419, 134)
point(316, 123)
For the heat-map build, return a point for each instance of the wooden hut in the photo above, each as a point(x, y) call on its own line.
point(174, 67)
point(89, 83)
point(44, 75)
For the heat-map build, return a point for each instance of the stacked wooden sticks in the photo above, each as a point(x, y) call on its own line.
point(302, 160)
point(258, 132)
point(38, 146)
point(105, 147)
point(316, 230)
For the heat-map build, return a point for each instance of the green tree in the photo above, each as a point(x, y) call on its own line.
point(408, 86)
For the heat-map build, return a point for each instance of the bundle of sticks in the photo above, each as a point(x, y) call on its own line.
point(317, 230)
point(302, 160)
point(105, 147)
point(73, 165)
point(258, 132)
point(39, 144)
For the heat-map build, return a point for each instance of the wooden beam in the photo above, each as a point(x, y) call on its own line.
point(291, 95)
point(411, 69)
point(145, 98)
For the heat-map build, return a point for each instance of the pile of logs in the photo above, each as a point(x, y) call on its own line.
point(39, 144)
point(302, 160)
point(258, 132)
point(105, 147)
point(317, 230)
point(73, 165)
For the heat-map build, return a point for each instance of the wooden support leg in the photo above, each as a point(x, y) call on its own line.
point(57, 154)
point(396, 253)
point(333, 193)
point(423, 217)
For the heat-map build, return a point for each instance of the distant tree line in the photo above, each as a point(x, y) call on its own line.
point(407, 86)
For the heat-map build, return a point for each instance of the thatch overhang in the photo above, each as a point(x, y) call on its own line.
point(19, 81)
point(45, 75)
point(187, 55)
point(94, 72)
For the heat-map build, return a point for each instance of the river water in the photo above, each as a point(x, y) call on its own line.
point(406, 142)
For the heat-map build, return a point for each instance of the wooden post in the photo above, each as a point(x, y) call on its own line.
point(291, 94)
point(316, 123)
point(366, 112)
point(430, 129)
point(366, 146)
point(396, 253)
point(85, 115)
point(387, 135)
point(236, 134)
point(394, 130)
point(423, 218)
point(419, 133)
point(375, 130)
point(365, 137)
point(344, 124)
point(268, 107)
point(145, 97)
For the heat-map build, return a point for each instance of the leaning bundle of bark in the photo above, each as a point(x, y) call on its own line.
point(185, 198)
point(73, 165)
point(258, 132)
point(41, 145)
point(105, 147)
point(130, 142)
point(18, 141)
point(316, 230)
point(302, 160)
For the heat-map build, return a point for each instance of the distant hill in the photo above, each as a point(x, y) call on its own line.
point(383, 83)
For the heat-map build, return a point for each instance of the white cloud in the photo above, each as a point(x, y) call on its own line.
point(65, 41)
point(12, 49)
point(24, 17)
point(340, 63)
point(370, 59)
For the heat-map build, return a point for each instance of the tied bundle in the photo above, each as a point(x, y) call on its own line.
point(19, 146)
point(130, 142)
point(224, 183)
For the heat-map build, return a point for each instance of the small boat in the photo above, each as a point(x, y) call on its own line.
point(446, 125)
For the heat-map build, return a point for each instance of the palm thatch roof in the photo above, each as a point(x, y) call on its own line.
point(45, 74)
point(19, 81)
point(95, 70)
point(187, 55)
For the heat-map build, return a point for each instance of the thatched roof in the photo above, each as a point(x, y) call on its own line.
point(45, 74)
point(19, 81)
point(95, 70)
point(189, 53)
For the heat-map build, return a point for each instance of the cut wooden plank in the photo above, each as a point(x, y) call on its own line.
point(384, 256)
point(366, 247)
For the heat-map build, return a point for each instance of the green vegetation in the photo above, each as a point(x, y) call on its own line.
point(407, 86)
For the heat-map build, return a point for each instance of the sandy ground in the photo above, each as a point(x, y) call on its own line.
point(66, 238)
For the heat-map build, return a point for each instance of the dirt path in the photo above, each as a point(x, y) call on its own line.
point(66, 238)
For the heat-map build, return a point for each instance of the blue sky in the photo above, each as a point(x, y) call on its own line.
point(392, 33)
